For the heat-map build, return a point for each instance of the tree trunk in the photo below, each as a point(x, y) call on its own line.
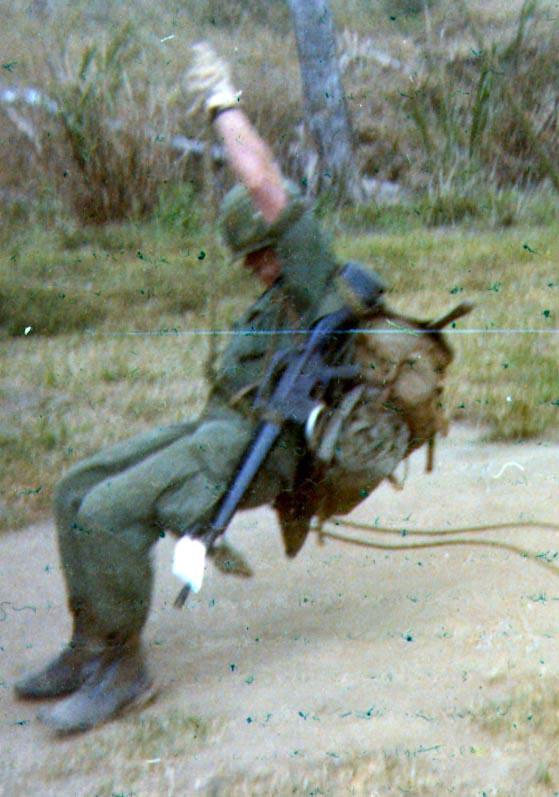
point(325, 107)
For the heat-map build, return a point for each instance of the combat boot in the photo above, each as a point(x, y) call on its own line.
point(65, 674)
point(119, 680)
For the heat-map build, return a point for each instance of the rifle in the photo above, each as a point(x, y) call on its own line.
point(306, 373)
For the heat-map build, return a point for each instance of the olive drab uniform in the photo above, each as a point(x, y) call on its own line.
point(111, 508)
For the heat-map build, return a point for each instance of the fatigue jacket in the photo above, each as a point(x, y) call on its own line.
point(282, 315)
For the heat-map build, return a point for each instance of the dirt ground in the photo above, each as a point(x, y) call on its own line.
point(351, 670)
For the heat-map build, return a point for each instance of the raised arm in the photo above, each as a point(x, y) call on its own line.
point(247, 154)
point(252, 161)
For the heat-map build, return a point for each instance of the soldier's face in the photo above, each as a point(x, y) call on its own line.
point(265, 264)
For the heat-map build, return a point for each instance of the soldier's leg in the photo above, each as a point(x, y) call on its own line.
point(217, 448)
point(109, 560)
point(121, 518)
point(67, 672)
point(81, 481)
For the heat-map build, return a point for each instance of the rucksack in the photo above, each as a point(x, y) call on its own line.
point(395, 408)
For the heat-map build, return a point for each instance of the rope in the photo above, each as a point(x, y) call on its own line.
point(539, 559)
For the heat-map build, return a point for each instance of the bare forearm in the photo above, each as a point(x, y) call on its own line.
point(252, 161)
point(248, 156)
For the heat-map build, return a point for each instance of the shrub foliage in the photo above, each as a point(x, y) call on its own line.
point(437, 104)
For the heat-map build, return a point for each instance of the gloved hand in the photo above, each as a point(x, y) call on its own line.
point(209, 80)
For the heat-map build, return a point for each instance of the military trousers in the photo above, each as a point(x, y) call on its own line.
point(110, 509)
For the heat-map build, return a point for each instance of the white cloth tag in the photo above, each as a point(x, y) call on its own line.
point(188, 562)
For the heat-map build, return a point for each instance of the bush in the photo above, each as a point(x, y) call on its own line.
point(436, 105)
point(490, 117)
point(109, 160)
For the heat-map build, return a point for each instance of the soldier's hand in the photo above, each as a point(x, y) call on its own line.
point(209, 80)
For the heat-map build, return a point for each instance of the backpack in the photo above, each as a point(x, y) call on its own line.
point(394, 408)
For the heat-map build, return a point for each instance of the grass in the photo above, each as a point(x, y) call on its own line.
point(64, 397)
point(468, 104)
point(532, 708)
point(68, 277)
point(505, 374)
point(149, 755)
point(65, 393)
point(527, 717)
point(444, 124)
point(137, 755)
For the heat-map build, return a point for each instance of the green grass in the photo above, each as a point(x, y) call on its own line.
point(505, 376)
point(137, 363)
point(61, 280)
point(96, 344)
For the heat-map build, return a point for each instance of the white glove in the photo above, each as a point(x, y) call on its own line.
point(209, 80)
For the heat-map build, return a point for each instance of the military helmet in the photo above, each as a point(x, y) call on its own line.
point(243, 227)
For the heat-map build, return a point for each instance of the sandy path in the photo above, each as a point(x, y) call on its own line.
point(347, 671)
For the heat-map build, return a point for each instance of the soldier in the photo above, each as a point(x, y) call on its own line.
point(111, 508)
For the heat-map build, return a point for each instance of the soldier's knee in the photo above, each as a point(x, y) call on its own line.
point(73, 488)
point(68, 495)
point(95, 515)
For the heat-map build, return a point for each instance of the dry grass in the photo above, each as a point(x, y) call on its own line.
point(138, 756)
point(147, 755)
point(527, 719)
point(465, 104)
point(65, 397)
